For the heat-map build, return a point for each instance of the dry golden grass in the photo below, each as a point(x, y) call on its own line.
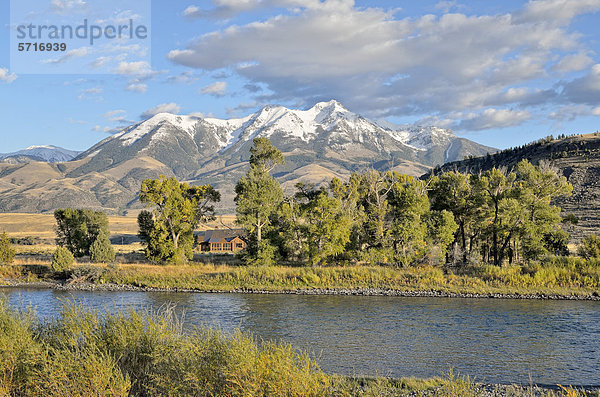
point(42, 225)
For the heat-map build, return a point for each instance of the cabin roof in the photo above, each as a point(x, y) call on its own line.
point(219, 235)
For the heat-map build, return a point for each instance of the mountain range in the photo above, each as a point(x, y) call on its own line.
point(319, 143)
point(48, 153)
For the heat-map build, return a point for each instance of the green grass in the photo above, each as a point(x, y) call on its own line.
point(84, 352)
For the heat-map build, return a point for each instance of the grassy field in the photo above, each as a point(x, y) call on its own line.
point(42, 225)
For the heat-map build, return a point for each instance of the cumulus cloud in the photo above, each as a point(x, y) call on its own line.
point(494, 118)
point(137, 87)
point(139, 68)
point(7, 77)
point(573, 62)
point(216, 89)
point(556, 11)
point(162, 108)
point(382, 65)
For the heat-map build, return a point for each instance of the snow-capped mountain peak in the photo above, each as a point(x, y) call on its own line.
point(49, 153)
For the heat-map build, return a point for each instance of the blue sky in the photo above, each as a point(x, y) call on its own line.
point(500, 73)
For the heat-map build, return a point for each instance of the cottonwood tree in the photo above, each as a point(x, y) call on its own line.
point(77, 229)
point(258, 196)
point(178, 208)
point(409, 203)
point(327, 225)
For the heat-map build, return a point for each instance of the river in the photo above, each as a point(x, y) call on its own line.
point(493, 340)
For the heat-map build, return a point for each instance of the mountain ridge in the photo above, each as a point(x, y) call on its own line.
point(324, 140)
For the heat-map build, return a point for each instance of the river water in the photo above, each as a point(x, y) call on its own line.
point(493, 340)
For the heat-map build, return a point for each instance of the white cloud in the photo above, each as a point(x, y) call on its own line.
point(573, 62)
point(64, 7)
point(186, 77)
point(117, 115)
point(100, 62)
point(6, 76)
point(74, 53)
point(162, 108)
point(139, 68)
point(494, 118)
point(91, 93)
point(383, 65)
point(218, 88)
point(137, 87)
point(556, 11)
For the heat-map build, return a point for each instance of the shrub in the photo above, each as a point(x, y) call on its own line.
point(62, 259)
point(590, 247)
point(101, 250)
point(7, 253)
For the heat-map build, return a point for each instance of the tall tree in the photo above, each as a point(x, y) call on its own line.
point(327, 224)
point(77, 229)
point(178, 208)
point(409, 203)
point(258, 196)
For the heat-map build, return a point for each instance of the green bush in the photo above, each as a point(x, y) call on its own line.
point(62, 259)
point(101, 250)
point(589, 247)
point(7, 253)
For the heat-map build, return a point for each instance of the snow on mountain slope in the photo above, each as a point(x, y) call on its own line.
point(49, 153)
point(330, 118)
point(132, 134)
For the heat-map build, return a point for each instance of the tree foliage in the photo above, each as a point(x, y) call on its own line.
point(178, 208)
point(589, 247)
point(101, 250)
point(258, 197)
point(77, 229)
point(62, 259)
point(7, 252)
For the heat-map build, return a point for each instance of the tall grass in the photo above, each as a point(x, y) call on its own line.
point(86, 353)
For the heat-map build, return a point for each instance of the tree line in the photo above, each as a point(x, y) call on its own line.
point(375, 217)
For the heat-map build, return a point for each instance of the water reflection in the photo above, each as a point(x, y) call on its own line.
point(494, 340)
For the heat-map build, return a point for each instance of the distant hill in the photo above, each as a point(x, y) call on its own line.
point(319, 143)
point(48, 153)
point(577, 157)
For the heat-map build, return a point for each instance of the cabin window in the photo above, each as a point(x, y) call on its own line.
point(217, 246)
point(226, 246)
point(239, 245)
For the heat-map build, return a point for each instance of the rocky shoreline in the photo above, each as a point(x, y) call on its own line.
point(63, 286)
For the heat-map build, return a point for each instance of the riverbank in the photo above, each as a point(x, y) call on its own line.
point(110, 287)
point(558, 278)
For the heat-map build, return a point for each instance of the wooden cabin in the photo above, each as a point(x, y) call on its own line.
point(220, 240)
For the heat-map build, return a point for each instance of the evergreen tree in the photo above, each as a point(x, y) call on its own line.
point(7, 252)
point(258, 196)
point(178, 209)
point(101, 250)
point(62, 259)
